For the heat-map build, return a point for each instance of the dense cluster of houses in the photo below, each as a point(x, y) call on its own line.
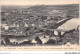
point(19, 22)
point(47, 39)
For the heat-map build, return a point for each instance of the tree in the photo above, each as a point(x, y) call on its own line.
point(38, 40)
point(7, 41)
point(44, 36)
point(2, 42)
point(51, 41)
point(3, 19)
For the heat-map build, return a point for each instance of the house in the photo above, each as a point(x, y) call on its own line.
point(16, 40)
point(33, 41)
point(5, 26)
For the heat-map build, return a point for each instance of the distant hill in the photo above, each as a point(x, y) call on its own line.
point(39, 8)
point(5, 8)
point(44, 8)
point(71, 9)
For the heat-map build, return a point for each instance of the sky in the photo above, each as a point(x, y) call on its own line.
point(38, 2)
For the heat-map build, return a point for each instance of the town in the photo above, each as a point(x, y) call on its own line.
point(35, 23)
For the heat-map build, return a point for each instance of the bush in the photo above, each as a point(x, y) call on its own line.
point(38, 40)
point(7, 41)
point(2, 42)
point(50, 41)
